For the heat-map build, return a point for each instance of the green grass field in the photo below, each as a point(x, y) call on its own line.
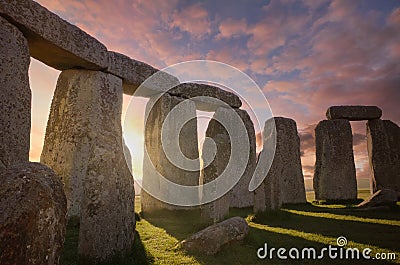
point(298, 226)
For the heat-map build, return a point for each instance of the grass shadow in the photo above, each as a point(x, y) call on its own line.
point(179, 223)
point(69, 256)
point(381, 235)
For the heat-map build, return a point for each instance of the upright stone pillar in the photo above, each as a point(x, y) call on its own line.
point(231, 167)
point(268, 196)
point(169, 157)
point(15, 96)
point(287, 157)
point(218, 209)
point(335, 173)
point(241, 196)
point(84, 146)
point(383, 141)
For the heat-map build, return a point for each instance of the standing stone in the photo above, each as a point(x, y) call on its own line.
point(83, 144)
point(241, 196)
point(383, 141)
point(218, 209)
point(235, 153)
point(33, 211)
point(15, 96)
point(268, 196)
point(166, 114)
point(335, 173)
point(287, 157)
point(353, 113)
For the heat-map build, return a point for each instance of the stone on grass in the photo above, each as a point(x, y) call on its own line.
point(210, 240)
point(384, 197)
point(15, 96)
point(33, 211)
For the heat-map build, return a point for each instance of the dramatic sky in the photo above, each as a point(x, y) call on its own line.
point(304, 55)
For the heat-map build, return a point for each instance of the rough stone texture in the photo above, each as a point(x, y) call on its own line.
point(268, 196)
point(191, 90)
point(32, 215)
point(353, 113)
point(157, 110)
point(15, 96)
point(221, 129)
point(287, 162)
point(335, 174)
point(210, 240)
point(53, 40)
point(241, 196)
point(218, 209)
point(83, 144)
point(134, 73)
point(383, 142)
point(384, 197)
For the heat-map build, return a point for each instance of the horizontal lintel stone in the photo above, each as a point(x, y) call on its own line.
point(53, 40)
point(353, 113)
point(212, 97)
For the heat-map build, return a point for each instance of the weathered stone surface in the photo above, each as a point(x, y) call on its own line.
point(210, 240)
point(166, 114)
point(241, 196)
point(288, 162)
point(268, 196)
point(15, 96)
point(228, 167)
point(134, 73)
point(353, 113)
point(209, 94)
point(384, 197)
point(218, 209)
point(335, 174)
point(53, 40)
point(32, 215)
point(383, 142)
point(83, 144)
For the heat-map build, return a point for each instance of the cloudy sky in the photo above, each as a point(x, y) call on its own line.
point(304, 55)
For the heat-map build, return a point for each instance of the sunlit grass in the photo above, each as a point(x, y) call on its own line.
point(344, 217)
point(307, 225)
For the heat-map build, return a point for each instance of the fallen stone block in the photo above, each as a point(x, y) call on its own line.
point(384, 197)
point(210, 240)
point(33, 211)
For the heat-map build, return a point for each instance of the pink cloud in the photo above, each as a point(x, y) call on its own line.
point(193, 19)
point(230, 28)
